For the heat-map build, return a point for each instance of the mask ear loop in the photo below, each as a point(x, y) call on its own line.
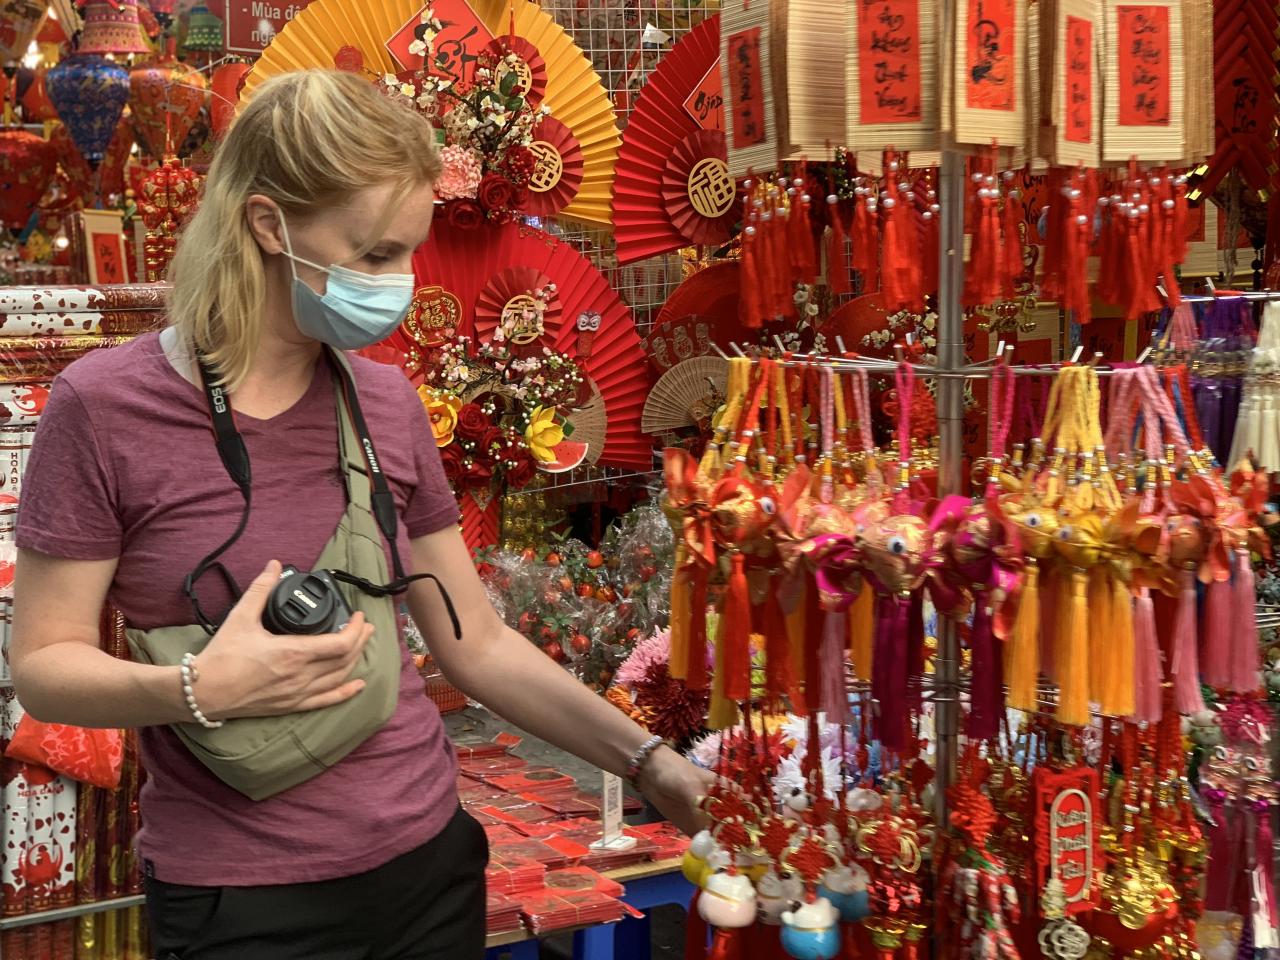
point(293, 258)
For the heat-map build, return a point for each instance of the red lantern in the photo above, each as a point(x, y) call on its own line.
point(227, 81)
point(26, 167)
point(36, 106)
point(166, 97)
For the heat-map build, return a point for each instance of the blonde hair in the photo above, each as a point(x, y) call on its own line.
point(304, 140)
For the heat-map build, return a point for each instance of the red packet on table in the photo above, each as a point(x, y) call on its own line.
point(579, 803)
point(474, 791)
point(500, 745)
point(501, 833)
point(555, 828)
point(482, 768)
point(562, 909)
point(543, 780)
point(537, 851)
point(670, 843)
point(583, 878)
point(516, 816)
point(502, 913)
point(514, 879)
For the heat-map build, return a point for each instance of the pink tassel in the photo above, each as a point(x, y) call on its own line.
point(1243, 674)
point(1183, 329)
point(835, 699)
point(1218, 627)
point(1186, 671)
point(1148, 673)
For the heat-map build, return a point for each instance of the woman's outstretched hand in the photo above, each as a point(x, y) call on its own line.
point(676, 787)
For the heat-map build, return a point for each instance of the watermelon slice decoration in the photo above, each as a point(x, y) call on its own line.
point(569, 454)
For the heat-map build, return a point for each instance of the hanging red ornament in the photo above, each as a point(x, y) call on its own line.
point(226, 84)
point(27, 164)
point(166, 97)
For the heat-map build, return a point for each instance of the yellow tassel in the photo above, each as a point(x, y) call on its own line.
point(862, 624)
point(680, 611)
point(1073, 650)
point(795, 630)
point(723, 713)
point(1120, 696)
point(1100, 632)
point(1022, 652)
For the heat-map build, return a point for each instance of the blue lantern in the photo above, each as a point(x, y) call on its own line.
point(89, 92)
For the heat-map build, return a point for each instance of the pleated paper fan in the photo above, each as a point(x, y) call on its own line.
point(558, 177)
point(685, 394)
point(710, 294)
point(313, 38)
point(510, 288)
point(472, 266)
point(591, 425)
point(678, 112)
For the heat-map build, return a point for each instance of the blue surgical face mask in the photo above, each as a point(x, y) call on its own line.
point(356, 310)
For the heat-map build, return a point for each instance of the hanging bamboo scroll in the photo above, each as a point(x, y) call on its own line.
point(1143, 81)
point(893, 74)
point(816, 64)
point(1199, 77)
point(746, 61)
point(989, 72)
point(1075, 112)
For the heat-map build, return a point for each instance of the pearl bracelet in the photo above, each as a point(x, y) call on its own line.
point(190, 676)
point(638, 760)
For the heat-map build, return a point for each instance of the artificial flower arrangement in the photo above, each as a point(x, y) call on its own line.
point(500, 409)
point(488, 124)
point(588, 608)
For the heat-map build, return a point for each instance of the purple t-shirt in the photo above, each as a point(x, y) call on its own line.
point(124, 465)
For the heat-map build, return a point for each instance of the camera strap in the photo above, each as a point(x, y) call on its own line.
point(235, 458)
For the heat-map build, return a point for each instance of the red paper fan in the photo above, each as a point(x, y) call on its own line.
point(672, 104)
point(533, 74)
point(854, 320)
point(558, 176)
point(712, 294)
point(512, 287)
point(699, 196)
point(463, 264)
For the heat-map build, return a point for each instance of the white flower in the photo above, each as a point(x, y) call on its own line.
point(408, 90)
point(418, 48)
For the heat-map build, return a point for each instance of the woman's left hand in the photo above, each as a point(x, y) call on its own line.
point(675, 786)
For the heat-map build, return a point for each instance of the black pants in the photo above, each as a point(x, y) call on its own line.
point(426, 905)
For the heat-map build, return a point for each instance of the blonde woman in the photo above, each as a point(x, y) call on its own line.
point(300, 250)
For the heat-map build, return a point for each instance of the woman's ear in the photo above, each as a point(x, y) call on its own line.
point(263, 216)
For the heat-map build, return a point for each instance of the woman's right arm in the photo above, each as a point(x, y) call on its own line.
point(62, 676)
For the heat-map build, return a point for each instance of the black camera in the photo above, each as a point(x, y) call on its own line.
point(305, 604)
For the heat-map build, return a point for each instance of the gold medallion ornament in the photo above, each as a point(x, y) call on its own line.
point(433, 316)
point(522, 70)
point(550, 167)
point(711, 189)
point(518, 308)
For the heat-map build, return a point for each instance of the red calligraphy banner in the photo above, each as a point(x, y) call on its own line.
point(457, 47)
point(1144, 65)
point(746, 89)
point(889, 61)
point(1078, 108)
point(706, 103)
point(990, 55)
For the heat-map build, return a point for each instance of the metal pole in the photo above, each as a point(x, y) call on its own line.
point(950, 399)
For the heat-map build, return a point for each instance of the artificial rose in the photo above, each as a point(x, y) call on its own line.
point(464, 214)
point(472, 422)
point(543, 433)
point(478, 474)
point(490, 440)
point(451, 460)
point(496, 192)
point(443, 411)
point(526, 468)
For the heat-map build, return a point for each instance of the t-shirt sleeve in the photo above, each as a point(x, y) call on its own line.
point(432, 506)
point(67, 503)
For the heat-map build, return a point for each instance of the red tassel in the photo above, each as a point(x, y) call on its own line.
point(780, 295)
point(696, 666)
point(1185, 670)
point(1181, 242)
point(726, 945)
point(837, 259)
point(800, 246)
point(1056, 236)
point(777, 674)
point(930, 237)
point(982, 278)
point(866, 251)
point(1014, 217)
point(1170, 246)
point(752, 307)
point(768, 265)
point(735, 633)
point(895, 282)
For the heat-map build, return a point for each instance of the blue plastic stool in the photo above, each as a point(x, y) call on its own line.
point(629, 940)
point(524, 950)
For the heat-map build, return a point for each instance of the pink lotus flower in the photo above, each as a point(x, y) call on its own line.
point(462, 173)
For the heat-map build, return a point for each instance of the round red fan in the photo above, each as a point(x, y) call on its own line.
point(464, 263)
point(854, 320)
point(513, 288)
point(711, 294)
point(532, 71)
point(682, 96)
point(699, 196)
point(558, 176)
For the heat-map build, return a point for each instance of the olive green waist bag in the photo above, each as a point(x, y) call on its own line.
point(263, 756)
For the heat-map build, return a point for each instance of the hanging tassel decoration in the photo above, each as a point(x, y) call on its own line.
point(735, 633)
point(930, 238)
point(777, 650)
point(862, 624)
point(681, 596)
point(1219, 610)
point(866, 251)
point(695, 670)
point(835, 697)
point(1118, 695)
point(1244, 632)
point(1022, 650)
point(987, 692)
point(800, 246)
point(1185, 668)
point(751, 305)
point(838, 281)
point(1011, 248)
point(1148, 673)
point(1073, 650)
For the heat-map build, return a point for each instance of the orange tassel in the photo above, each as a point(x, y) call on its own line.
point(1073, 650)
point(696, 664)
point(680, 615)
point(862, 626)
point(1022, 653)
point(735, 633)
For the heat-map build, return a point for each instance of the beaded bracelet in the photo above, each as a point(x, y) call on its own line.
point(635, 766)
point(190, 676)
